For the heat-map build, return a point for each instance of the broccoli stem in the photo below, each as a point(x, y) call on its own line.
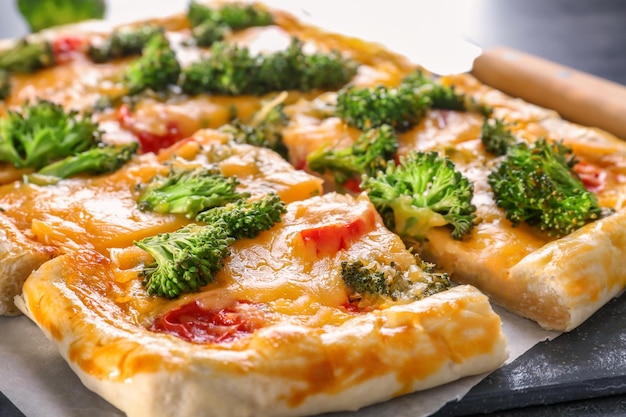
point(189, 192)
point(370, 153)
point(26, 57)
point(98, 160)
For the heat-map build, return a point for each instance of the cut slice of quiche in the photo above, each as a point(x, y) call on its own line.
point(283, 330)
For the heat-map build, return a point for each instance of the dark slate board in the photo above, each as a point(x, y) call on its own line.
point(588, 362)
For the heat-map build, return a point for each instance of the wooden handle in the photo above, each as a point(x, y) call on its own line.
point(577, 96)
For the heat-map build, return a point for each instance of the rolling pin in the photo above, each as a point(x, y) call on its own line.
point(577, 96)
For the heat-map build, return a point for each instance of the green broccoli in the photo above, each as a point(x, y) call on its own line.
point(236, 15)
point(207, 33)
point(246, 219)
point(44, 132)
point(536, 184)
point(496, 137)
point(366, 108)
point(185, 259)
point(123, 42)
point(98, 160)
point(26, 57)
point(189, 192)
point(42, 14)
point(441, 96)
point(376, 279)
point(157, 69)
point(402, 106)
point(265, 127)
point(370, 153)
point(5, 84)
point(212, 24)
point(190, 257)
point(233, 70)
point(424, 191)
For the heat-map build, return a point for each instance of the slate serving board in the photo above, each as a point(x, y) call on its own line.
point(588, 362)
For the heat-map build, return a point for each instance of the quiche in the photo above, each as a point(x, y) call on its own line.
point(232, 212)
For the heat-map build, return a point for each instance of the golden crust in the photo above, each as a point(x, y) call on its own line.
point(19, 256)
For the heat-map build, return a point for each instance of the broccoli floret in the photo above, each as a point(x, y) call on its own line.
point(236, 16)
point(207, 33)
point(232, 70)
point(370, 153)
point(97, 160)
point(5, 84)
point(26, 57)
point(402, 106)
point(265, 127)
point(41, 14)
point(496, 137)
point(189, 192)
point(325, 71)
point(375, 279)
point(212, 24)
point(157, 68)
point(366, 108)
point(123, 42)
point(442, 96)
point(44, 132)
point(246, 219)
point(190, 257)
point(424, 191)
point(536, 184)
point(185, 259)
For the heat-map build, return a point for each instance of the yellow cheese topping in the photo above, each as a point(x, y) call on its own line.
point(101, 212)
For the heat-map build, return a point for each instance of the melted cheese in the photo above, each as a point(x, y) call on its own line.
point(101, 212)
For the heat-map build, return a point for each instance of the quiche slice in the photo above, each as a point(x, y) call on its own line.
point(279, 332)
point(102, 212)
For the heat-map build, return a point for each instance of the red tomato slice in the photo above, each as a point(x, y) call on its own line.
point(592, 176)
point(333, 237)
point(149, 142)
point(66, 48)
point(197, 324)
